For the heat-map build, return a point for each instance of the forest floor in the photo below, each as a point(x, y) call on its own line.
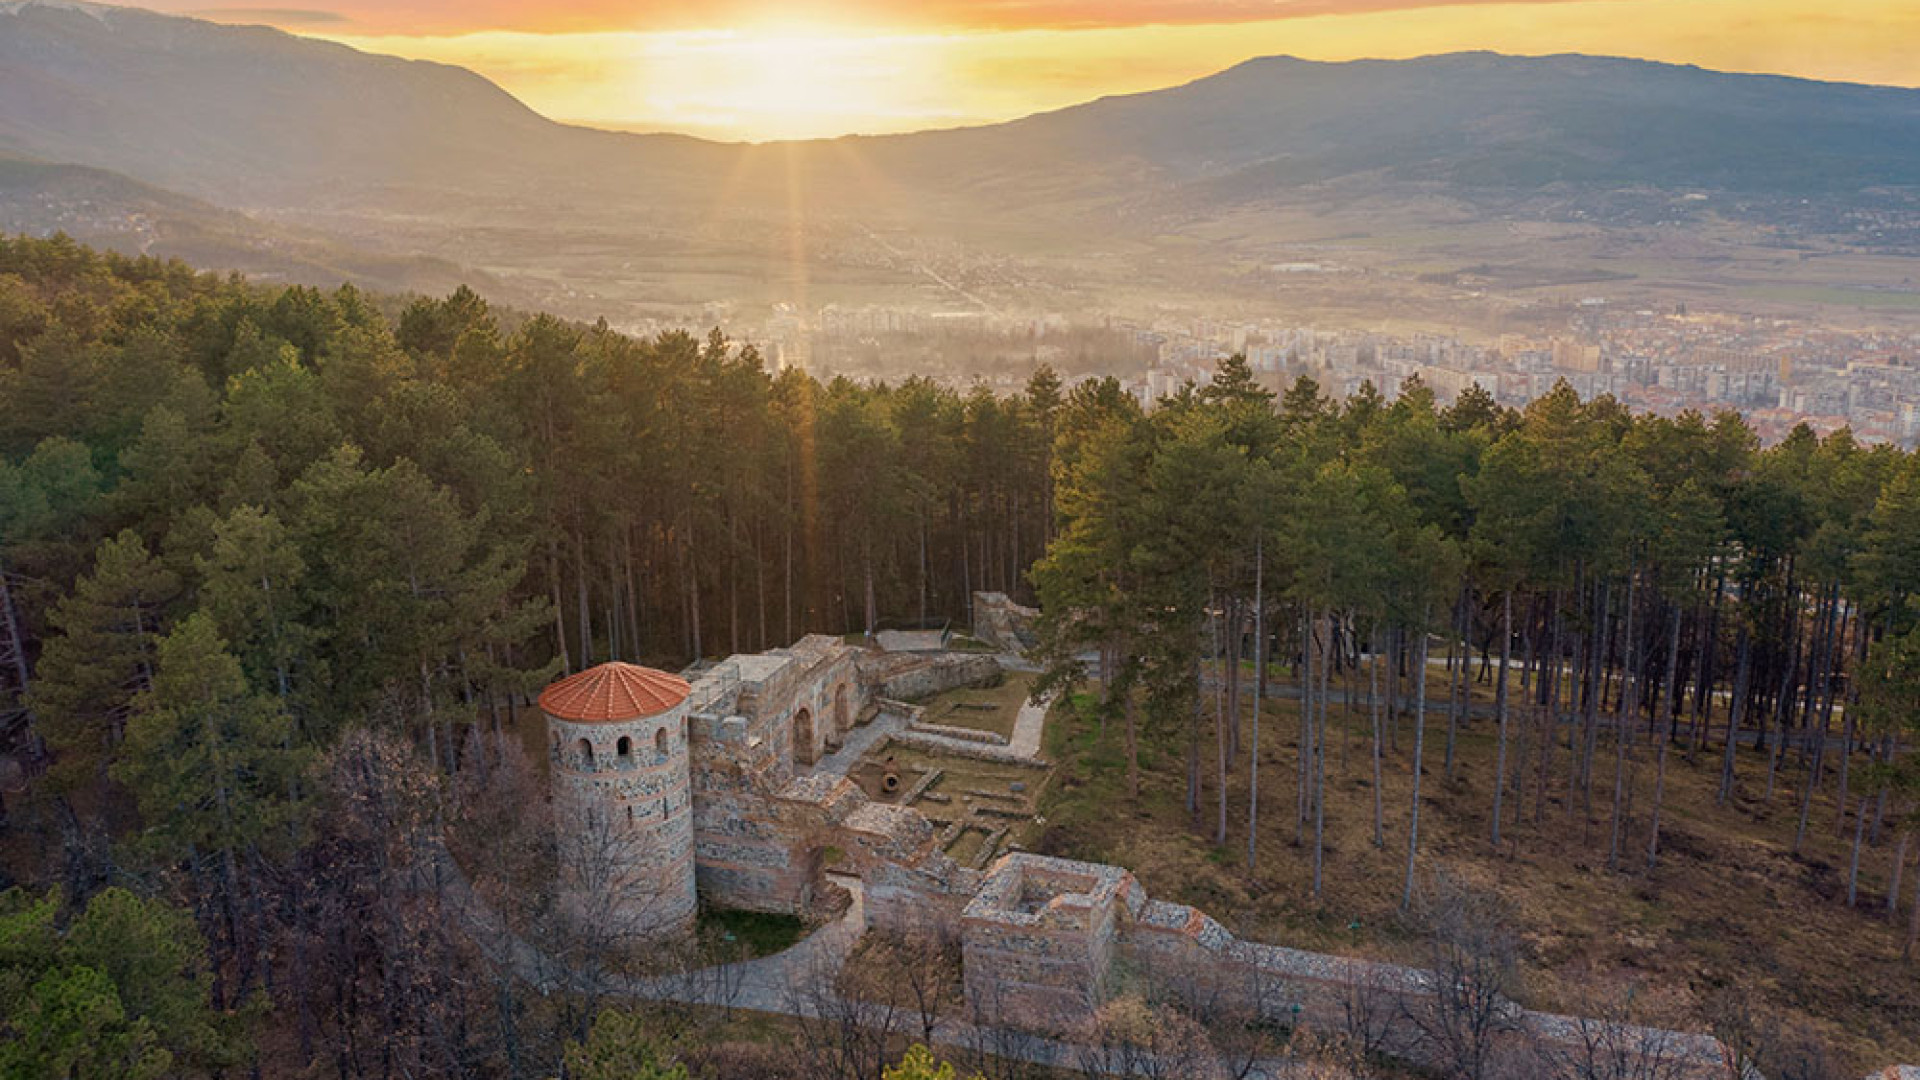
point(1729, 907)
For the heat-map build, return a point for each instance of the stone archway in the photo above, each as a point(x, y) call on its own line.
point(842, 710)
point(804, 745)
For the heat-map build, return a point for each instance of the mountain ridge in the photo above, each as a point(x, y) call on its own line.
point(1191, 187)
point(113, 100)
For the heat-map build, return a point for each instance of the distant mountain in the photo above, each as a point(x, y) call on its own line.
point(249, 115)
point(1185, 190)
point(108, 210)
point(1467, 122)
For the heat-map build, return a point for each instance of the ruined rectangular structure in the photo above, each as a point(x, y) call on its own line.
point(740, 766)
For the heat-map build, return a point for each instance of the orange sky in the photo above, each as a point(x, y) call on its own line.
point(755, 69)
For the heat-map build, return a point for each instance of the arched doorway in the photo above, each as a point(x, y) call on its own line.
point(804, 753)
point(842, 710)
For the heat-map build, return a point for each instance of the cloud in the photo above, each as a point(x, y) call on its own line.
point(412, 17)
point(292, 18)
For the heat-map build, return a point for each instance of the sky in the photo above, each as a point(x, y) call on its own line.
point(764, 69)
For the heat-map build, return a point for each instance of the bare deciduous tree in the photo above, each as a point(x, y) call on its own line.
point(1127, 1037)
point(1373, 1014)
point(847, 1022)
point(1604, 1043)
point(1472, 958)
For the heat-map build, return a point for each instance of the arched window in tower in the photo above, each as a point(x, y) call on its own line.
point(586, 752)
point(660, 742)
point(624, 747)
point(629, 815)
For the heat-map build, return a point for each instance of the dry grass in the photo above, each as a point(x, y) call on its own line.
point(991, 708)
point(1728, 905)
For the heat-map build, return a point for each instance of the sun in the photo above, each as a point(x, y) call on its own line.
point(787, 82)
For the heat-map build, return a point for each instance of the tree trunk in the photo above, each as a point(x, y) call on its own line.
point(1133, 746)
point(1735, 711)
point(1225, 653)
point(1500, 708)
point(1596, 667)
point(1622, 722)
point(1666, 734)
point(1550, 717)
point(1419, 741)
point(1783, 703)
point(1456, 659)
point(1899, 867)
point(559, 612)
point(1259, 693)
point(1820, 738)
point(1373, 698)
point(1320, 769)
point(1304, 787)
point(1853, 865)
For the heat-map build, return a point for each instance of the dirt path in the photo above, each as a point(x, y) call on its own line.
point(1027, 728)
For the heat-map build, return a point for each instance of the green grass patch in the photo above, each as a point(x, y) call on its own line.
point(759, 933)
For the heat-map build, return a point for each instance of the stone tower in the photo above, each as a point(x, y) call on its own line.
point(617, 736)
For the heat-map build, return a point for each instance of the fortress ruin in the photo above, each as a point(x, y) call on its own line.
point(731, 788)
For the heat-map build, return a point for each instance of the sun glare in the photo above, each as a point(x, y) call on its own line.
point(784, 82)
point(809, 76)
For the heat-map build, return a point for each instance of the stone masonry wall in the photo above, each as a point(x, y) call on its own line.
point(911, 677)
point(1043, 957)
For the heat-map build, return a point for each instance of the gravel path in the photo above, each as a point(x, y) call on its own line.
point(859, 741)
point(1027, 728)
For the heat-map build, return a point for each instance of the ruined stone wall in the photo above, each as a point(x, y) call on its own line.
point(915, 899)
point(1000, 622)
point(914, 676)
point(1168, 944)
point(1038, 940)
point(1046, 940)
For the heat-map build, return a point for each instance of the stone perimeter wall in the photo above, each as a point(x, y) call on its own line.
point(1045, 941)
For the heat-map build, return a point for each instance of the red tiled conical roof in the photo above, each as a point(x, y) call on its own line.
point(611, 693)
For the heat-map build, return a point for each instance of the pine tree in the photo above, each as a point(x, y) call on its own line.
point(101, 659)
point(120, 994)
point(619, 1047)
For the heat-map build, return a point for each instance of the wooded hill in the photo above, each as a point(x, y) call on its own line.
point(246, 528)
point(1630, 584)
point(286, 563)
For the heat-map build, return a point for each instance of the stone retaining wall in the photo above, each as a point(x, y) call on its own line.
point(911, 677)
